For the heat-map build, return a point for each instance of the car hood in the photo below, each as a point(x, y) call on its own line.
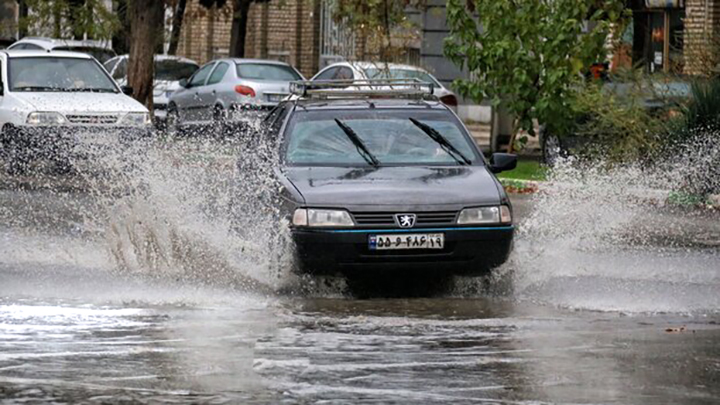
point(396, 186)
point(80, 102)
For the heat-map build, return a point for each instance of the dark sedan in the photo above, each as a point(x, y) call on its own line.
point(389, 183)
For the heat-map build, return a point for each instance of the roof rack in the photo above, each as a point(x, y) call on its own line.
point(386, 88)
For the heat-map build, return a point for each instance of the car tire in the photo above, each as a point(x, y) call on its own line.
point(219, 124)
point(552, 148)
point(14, 153)
point(172, 122)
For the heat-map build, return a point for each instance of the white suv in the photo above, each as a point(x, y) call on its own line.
point(51, 101)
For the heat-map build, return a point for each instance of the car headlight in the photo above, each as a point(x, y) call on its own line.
point(485, 215)
point(46, 118)
point(136, 119)
point(322, 218)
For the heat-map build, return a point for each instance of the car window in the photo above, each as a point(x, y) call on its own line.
point(267, 71)
point(109, 65)
point(327, 75)
point(174, 70)
point(198, 79)
point(315, 138)
point(28, 46)
point(218, 73)
point(121, 69)
point(375, 73)
point(344, 73)
point(47, 73)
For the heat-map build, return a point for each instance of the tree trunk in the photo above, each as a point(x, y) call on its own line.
point(146, 22)
point(239, 28)
point(177, 22)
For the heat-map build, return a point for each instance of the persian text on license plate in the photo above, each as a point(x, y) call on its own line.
point(407, 241)
point(274, 97)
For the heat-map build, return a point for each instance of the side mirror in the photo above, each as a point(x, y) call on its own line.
point(2, 89)
point(127, 90)
point(501, 162)
point(183, 83)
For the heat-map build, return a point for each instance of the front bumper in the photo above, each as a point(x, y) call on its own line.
point(468, 251)
point(59, 141)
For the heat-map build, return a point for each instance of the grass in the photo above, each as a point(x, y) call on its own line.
point(526, 170)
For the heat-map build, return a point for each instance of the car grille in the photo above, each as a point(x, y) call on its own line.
point(434, 218)
point(104, 119)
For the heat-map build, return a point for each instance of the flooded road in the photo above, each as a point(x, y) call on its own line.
point(631, 317)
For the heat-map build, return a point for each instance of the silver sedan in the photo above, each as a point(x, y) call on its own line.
point(222, 88)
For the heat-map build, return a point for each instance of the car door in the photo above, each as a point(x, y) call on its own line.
point(188, 100)
point(212, 91)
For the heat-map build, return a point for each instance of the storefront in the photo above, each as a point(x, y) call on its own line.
point(656, 35)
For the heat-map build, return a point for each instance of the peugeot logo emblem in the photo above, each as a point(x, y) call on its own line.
point(405, 220)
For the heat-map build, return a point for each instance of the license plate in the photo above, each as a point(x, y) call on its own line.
point(274, 97)
point(407, 241)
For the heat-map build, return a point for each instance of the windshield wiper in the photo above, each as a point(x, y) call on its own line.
point(36, 88)
point(355, 139)
point(442, 141)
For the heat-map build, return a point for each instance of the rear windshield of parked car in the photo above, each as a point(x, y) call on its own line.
point(268, 72)
point(375, 73)
point(173, 70)
point(47, 73)
point(314, 138)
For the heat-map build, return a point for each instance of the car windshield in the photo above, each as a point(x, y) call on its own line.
point(174, 70)
point(266, 71)
point(49, 73)
point(376, 73)
point(101, 54)
point(317, 138)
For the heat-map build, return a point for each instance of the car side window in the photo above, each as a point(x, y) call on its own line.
point(344, 73)
point(218, 74)
point(120, 70)
point(110, 65)
point(327, 75)
point(198, 79)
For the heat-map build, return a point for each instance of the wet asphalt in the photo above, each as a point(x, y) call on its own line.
point(618, 326)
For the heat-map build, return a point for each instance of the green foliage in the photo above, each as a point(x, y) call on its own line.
point(70, 19)
point(528, 54)
point(618, 126)
point(703, 110)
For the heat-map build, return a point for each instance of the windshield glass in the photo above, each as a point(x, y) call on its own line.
point(314, 138)
point(265, 71)
point(375, 73)
point(101, 54)
point(57, 74)
point(174, 70)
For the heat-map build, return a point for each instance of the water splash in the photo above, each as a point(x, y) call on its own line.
point(603, 237)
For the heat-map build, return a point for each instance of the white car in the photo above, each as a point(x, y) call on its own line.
point(99, 50)
point(375, 71)
point(50, 101)
point(169, 71)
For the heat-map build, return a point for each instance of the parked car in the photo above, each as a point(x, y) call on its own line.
point(223, 87)
point(51, 101)
point(387, 182)
point(169, 71)
point(99, 50)
point(374, 71)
